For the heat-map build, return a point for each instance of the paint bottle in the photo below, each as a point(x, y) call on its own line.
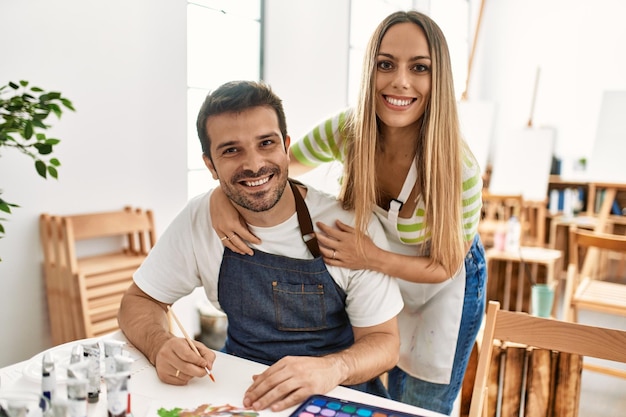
point(76, 355)
point(48, 376)
point(111, 349)
point(77, 389)
point(59, 407)
point(513, 235)
point(117, 393)
point(91, 352)
point(123, 364)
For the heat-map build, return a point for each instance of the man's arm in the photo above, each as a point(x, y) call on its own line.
point(294, 378)
point(145, 324)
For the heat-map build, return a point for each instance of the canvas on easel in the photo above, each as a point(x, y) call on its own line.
point(523, 159)
point(522, 162)
point(607, 162)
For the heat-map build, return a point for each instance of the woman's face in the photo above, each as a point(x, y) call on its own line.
point(403, 75)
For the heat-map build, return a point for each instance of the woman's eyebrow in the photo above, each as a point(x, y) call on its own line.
point(415, 58)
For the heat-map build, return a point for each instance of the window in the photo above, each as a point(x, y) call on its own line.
point(223, 44)
point(224, 41)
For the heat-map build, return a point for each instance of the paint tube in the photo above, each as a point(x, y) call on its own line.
point(91, 351)
point(77, 389)
point(48, 376)
point(76, 356)
point(112, 348)
point(59, 407)
point(77, 397)
point(117, 393)
point(123, 364)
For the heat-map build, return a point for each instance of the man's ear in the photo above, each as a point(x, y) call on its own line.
point(209, 164)
point(287, 141)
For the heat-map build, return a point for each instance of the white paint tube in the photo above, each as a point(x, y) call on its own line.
point(112, 348)
point(117, 393)
point(59, 407)
point(91, 351)
point(48, 376)
point(122, 365)
point(77, 389)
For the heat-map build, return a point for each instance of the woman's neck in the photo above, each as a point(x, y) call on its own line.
point(399, 141)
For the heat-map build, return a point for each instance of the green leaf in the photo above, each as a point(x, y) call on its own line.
point(174, 412)
point(23, 112)
point(53, 172)
point(5, 207)
point(42, 115)
point(28, 130)
point(38, 123)
point(67, 104)
point(42, 148)
point(40, 166)
point(56, 109)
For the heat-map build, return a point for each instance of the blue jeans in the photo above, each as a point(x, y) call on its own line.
point(441, 397)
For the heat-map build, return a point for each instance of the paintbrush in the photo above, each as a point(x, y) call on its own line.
point(189, 341)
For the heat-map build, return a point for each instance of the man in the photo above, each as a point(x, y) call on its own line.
point(316, 326)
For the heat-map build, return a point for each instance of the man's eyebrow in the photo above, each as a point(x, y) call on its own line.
point(226, 144)
point(263, 136)
point(268, 135)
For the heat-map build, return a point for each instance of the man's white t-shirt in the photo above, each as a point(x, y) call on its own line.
point(189, 255)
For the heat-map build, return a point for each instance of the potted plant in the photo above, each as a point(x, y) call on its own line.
point(23, 113)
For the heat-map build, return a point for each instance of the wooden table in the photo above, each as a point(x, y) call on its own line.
point(233, 376)
point(534, 256)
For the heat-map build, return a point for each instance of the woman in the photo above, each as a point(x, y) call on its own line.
point(404, 159)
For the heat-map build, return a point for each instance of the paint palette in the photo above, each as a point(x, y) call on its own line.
point(323, 406)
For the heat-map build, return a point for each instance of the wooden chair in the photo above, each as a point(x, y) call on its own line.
point(597, 284)
point(84, 290)
point(549, 357)
point(497, 209)
point(535, 213)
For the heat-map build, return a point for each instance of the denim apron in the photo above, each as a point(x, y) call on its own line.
point(279, 306)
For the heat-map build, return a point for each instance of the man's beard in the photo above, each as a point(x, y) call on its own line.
point(256, 202)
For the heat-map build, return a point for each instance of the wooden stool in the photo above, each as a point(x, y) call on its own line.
point(535, 256)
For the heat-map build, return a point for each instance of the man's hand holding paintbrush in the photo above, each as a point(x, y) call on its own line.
point(188, 358)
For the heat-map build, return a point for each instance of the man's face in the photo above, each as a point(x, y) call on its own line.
point(249, 157)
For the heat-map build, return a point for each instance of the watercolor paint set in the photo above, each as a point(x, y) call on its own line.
point(323, 406)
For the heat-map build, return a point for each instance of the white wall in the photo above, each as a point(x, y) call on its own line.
point(579, 46)
point(306, 58)
point(122, 63)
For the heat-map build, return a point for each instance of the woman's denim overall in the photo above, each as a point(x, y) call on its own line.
point(441, 397)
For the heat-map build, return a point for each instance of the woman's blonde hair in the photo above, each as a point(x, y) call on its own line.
point(439, 148)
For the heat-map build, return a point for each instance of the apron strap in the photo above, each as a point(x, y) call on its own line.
point(304, 220)
point(396, 204)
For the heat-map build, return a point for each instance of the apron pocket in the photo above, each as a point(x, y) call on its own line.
point(299, 307)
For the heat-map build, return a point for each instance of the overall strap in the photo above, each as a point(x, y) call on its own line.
point(396, 204)
point(304, 220)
